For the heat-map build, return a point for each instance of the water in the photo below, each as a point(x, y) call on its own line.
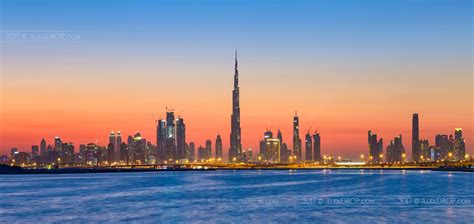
point(240, 196)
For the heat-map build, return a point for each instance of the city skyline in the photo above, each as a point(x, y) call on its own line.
point(234, 111)
point(344, 75)
point(171, 142)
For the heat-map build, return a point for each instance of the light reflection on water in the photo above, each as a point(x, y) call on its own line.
point(239, 196)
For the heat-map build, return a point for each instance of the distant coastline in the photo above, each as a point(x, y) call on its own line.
point(5, 169)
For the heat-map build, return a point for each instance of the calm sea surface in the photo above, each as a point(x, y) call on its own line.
point(240, 196)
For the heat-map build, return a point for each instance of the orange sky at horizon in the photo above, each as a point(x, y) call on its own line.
point(342, 119)
point(346, 66)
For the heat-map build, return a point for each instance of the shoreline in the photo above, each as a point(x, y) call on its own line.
point(16, 170)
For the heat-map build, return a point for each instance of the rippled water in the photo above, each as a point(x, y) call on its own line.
point(240, 196)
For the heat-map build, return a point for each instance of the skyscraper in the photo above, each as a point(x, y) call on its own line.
point(425, 149)
point(57, 143)
point(395, 150)
point(161, 140)
point(280, 136)
point(13, 152)
point(191, 152)
point(308, 147)
point(180, 139)
point(110, 153)
point(209, 149)
point(263, 145)
point(284, 152)
point(170, 136)
point(218, 147)
point(118, 144)
point(111, 147)
point(415, 135)
point(138, 145)
point(273, 147)
point(444, 145)
point(124, 153)
point(34, 151)
point(67, 153)
point(202, 154)
point(317, 147)
point(235, 152)
point(459, 144)
point(375, 148)
point(270, 148)
point(296, 138)
point(43, 147)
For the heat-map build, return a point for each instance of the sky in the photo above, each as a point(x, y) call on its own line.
point(346, 66)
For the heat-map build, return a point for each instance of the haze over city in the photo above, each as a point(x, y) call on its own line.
point(345, 71)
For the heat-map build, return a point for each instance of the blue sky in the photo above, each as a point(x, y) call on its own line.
point(337, 61)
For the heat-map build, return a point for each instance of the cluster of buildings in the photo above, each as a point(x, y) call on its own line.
point(171, 146)
point(446, 148)
point(274, 150)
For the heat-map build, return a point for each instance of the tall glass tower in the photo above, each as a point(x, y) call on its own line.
point(415, 135)
point(235, 152)
point(296, 138)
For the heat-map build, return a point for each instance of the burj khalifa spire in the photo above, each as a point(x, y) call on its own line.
point(235, 151)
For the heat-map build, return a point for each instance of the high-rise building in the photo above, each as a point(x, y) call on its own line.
point(458, 133)
point(57, 144)
point(308, 147)
point(170, 136)
point(51, 153)
point(235, 151)
point(111, 148)
point(262, 149)
point(180, 139)
point(459, 145)
point(117, 147)
point(395, 150)
point(110, 152)
point(249, 155)
point(209, 149)
point(375, 148)
point(273, 150)
point(124, 153)
point(425, 153)
point(67, 153)
point(92, 155)
point(445, 146)
point(138, 145)
point(161, 140)
point(263, 145)
point(34, 151)
point(81, 155)
point(219, 148)
point(317, 147)
point(270, 148)
point(284, 152)
point(43, 147)
point(191, 152)
point(204, 153)
point(296, 138)
point(150, 149)
point(415, 135)
point(13, 152)
point(21, 158)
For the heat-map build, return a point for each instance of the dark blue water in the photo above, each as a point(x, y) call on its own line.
point(240, 196)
